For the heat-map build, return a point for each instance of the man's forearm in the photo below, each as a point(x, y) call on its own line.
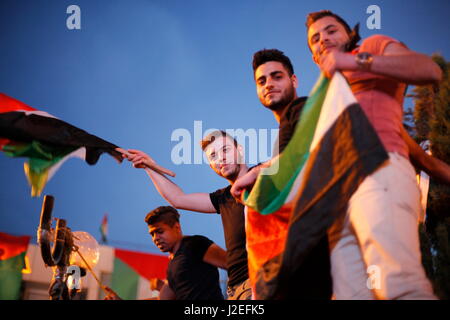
point(199, 202)
point(434, 167)
point(166, 188)
point(414, 68)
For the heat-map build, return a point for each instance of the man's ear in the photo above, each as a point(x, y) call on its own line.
point(294, 81)
point(178, 226)
point(240, 154)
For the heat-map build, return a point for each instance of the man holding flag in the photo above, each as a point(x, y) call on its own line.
point(380, 226)
point(276, 85)
point(346, 170)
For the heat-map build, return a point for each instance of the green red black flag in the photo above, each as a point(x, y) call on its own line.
point(46, 141)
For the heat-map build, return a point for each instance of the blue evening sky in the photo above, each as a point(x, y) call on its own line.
point(138, 70)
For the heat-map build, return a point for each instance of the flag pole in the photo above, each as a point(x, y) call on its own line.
point(91, 271)
point(151, 165)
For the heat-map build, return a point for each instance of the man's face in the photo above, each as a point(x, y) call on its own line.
point(325, 35)
point(274, 86)
point(224, 157)
point(164, 236)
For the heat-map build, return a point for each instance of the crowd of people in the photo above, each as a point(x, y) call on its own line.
point(379, 227)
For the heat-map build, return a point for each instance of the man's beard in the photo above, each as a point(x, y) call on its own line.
point(286, 99)
point(234, 174)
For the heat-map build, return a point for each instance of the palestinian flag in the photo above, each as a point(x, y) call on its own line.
point(130, 266)
point(333, 149)
point(104, 228)
point(47, 142)
point(12, 262)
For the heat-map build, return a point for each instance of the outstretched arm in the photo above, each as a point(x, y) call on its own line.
point(173, 194)
point(434, 167)
point(150, 163)
point(200, 202)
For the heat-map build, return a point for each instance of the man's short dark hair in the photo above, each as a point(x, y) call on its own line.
point(166, 214)
point(267, 55)
point(314, 16)
point(206, 141)
point(354, 36)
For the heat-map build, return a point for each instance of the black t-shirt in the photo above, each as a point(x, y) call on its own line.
point(190, 278)
point(288, 122)
point(312, 280)
point(233, 220)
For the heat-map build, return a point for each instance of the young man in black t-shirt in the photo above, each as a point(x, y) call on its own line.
point(192, 272)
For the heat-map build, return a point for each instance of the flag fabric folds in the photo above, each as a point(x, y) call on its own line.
point(46, 141)
point(334, 147)
point(130, 265)
point(12, 262)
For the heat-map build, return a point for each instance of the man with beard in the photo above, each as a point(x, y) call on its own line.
point(380, 225)
point(276, 86)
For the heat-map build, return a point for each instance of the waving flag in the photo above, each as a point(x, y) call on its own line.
point(129, 266)
point(47, 142)
point(104, 229)
point(333, 148)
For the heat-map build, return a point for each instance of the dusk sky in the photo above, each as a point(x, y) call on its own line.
point(139, 70)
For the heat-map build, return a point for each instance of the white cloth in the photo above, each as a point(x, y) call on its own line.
point(375, 250)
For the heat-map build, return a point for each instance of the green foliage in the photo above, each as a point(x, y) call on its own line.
point(423, 111)
point(440, 122)
point(432, 122)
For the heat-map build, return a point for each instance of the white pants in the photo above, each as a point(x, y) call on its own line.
point(375, 251)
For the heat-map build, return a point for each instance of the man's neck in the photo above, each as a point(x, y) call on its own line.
point(242, 171)
point(279, 112)
point(175, 247)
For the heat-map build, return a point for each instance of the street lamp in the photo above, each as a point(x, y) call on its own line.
point(69, 256)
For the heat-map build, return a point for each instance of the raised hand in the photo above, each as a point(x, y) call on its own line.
point(245, 182)
point(142, 160)
point(333, 61)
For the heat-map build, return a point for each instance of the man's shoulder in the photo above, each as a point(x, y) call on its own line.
point(292, 111)
point(376, 43)
point(196, 245)
point(220, 195)
point(195, 239)
point(223, 190)
point(298, 103)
